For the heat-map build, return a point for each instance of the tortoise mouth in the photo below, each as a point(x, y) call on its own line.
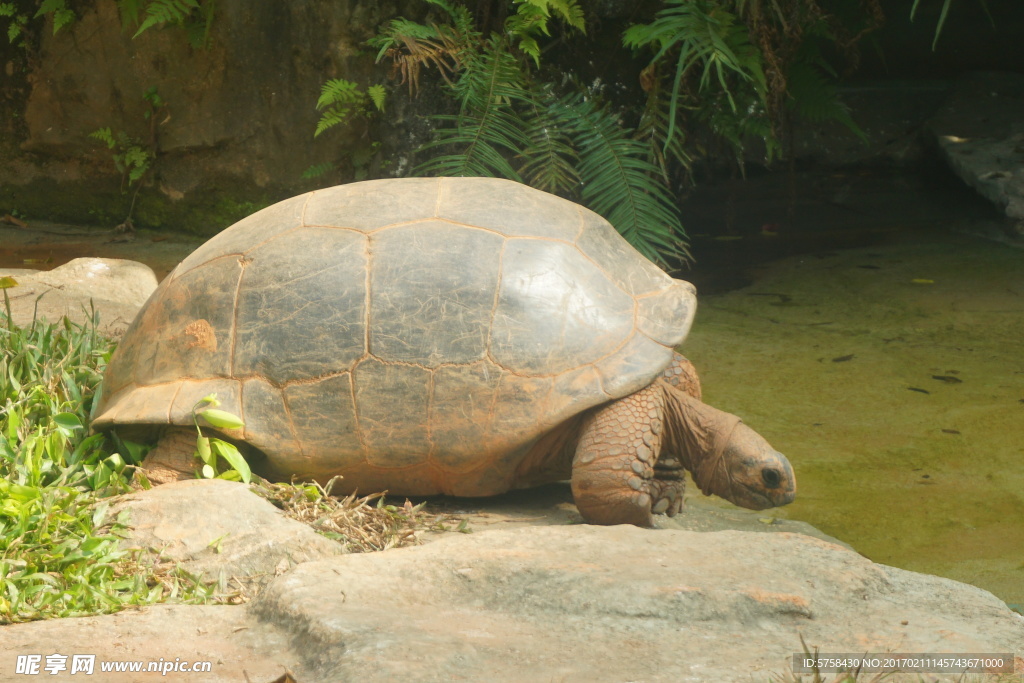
point(759, 499)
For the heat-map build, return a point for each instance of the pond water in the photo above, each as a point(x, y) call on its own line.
point(886, 358)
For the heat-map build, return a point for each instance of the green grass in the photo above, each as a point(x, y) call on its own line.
point(59, 552)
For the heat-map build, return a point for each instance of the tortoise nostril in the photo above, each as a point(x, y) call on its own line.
point(771, 477)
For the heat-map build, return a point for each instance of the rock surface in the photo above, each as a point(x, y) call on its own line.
point(980, 131)
point(558, 602)
point(115, 287)
point(254, 540)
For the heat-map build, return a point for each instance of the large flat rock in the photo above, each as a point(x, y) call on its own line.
point(567, 603)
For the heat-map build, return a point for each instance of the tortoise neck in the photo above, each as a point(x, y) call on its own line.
point(697, 434)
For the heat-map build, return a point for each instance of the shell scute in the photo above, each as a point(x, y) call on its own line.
point(282, 291)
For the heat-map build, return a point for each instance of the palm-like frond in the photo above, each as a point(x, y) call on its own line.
point(487, 129)
point(816, 99)
point(654, 129)
point(620, 183)
point(707, 37)
point(549, 158)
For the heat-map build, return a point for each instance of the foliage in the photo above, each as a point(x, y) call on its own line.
point(211, 449)
point(130, 158)
point(510, 124)
point(616, 174)
point(194, 16)
point(48, 379)
point(19, 18)
point(943, 13)
point(59, 553)
point(745, 68)
point(341, 101)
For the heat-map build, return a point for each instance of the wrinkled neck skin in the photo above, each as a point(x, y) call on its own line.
point(698, 434)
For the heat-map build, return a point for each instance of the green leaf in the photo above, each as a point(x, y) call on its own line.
point(222, 418)
point(233, 457)
point(62, 18)
point(203, 450)
point(67, 423)
point(48, 6)
point(104, 135)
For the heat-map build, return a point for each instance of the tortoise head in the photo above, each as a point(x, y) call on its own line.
point(726, 457)
point(751, 473)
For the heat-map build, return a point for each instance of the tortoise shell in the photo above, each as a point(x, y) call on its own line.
point(417, 335)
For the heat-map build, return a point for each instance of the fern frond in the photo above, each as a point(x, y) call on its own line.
point(129, 10)
point(378, 95)
point(317, 170)
point(491, 74)
point(549, 158)
point(530, 20)
point(198, 27)
point(707, 38)
point(104, 135)
point(62, 18)
point(48, 6)
point(654, 127)
point(621, 184)
point(339, 91)
point(159, 12)
point(487, 130)
point(816, 99)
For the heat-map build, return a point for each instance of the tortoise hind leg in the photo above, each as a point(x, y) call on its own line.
point(616, 476)
point(173, 457)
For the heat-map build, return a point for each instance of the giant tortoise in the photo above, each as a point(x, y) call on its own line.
point(459, 336)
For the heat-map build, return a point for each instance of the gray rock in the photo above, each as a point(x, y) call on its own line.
point(219, 527)
point(627, 603)
point(115, 287)
point(566, 603)
point(980, 131)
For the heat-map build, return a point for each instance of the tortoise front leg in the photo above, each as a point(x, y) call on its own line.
point(173, 457)
point(616, 476)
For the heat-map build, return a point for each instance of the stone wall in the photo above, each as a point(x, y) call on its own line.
point(237, 132)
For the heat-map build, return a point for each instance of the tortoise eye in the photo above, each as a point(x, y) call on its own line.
point(771, 477)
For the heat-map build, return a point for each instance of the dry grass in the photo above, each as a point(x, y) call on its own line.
point(360, 524)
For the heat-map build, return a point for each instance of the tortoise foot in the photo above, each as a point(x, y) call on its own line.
point(173, 457)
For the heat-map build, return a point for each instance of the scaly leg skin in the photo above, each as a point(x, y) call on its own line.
point(172, 459)
point(616, 476)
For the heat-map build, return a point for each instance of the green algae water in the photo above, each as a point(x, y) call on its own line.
point(892, 376)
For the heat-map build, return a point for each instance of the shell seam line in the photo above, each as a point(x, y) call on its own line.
point(360, 437)
point(488, 351)
point(243, 261)
point(291, 424)
point(170, 404)
point(305, 205)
